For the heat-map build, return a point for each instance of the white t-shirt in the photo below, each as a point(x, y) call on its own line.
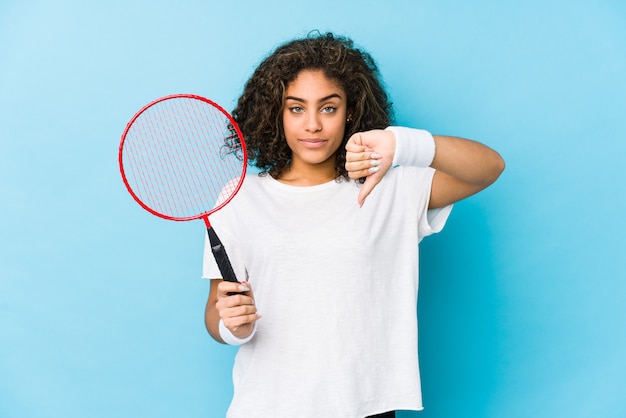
point(336, 286)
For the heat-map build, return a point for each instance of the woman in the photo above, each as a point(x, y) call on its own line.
point(325, 240)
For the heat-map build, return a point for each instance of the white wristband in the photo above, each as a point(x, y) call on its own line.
point(230, 339)
point(414, 147)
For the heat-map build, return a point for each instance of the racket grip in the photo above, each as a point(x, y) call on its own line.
point(219, 252)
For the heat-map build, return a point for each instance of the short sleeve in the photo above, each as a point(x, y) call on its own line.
point(431, 221)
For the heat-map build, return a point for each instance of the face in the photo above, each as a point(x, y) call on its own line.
point(314, 119)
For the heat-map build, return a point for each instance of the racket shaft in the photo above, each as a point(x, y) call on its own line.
point(219, 252)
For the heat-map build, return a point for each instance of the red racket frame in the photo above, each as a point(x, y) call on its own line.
point(204, 215)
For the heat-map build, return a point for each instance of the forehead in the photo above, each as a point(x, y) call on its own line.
point(313, 83)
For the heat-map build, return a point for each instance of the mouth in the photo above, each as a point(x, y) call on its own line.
point(313, 143)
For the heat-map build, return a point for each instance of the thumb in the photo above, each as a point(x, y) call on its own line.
point(370, 182)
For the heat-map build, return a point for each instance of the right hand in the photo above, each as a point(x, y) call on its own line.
point(236, 308)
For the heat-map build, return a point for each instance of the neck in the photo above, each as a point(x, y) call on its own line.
point(308, 175)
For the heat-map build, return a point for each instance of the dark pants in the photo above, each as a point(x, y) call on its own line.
point(390, 414)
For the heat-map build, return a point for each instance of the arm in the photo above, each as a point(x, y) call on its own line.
point(464, 167)
point(237, 311)
point(211, 315)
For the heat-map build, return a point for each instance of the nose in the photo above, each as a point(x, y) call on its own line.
point(313, 122)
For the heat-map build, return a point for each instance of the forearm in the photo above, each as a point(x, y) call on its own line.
point(211, 322)
point(467, 161)
point(463, 167)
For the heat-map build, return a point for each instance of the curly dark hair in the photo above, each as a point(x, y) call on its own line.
point(259, 109)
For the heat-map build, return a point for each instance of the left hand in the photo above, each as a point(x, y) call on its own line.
point(369, 154)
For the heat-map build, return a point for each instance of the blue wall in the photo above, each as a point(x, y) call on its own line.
point(522, 303)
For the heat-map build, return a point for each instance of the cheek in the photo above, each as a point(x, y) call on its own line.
point(289, 132)
point(291, 119)
point(338, 135)
point(340, 128)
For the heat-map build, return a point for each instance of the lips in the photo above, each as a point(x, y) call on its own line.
point(313, 142)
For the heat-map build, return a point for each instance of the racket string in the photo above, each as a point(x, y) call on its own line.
point(179, 156)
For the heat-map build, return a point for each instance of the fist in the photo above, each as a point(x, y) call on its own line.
point(369, 154)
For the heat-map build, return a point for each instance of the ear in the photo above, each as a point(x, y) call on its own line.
point(349, 112)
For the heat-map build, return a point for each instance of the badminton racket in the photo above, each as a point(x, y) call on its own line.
point(182, 157)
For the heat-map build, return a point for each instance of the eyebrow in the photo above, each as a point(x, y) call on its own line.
point(323, 99)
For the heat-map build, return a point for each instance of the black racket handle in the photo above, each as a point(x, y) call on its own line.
point(223, 263)
point(219, 252)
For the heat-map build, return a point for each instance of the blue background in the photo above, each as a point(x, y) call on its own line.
point(522, 303)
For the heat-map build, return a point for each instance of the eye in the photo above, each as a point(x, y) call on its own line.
point(296, 109)
point(329, 109)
